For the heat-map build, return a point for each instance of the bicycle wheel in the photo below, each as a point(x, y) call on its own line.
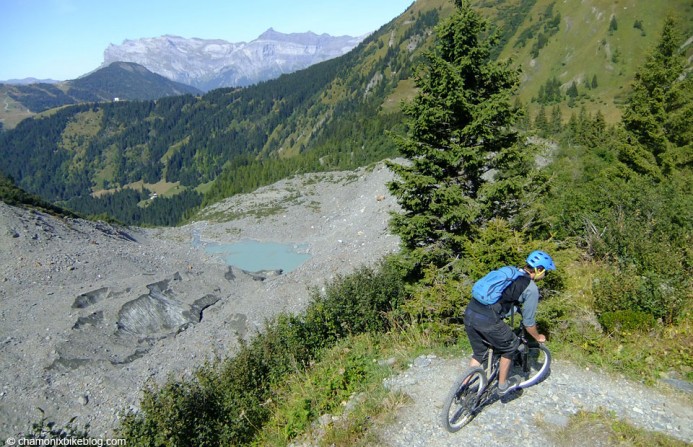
point(537, 366)
point(462, 401)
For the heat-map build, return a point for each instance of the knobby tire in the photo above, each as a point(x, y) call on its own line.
point(539, 360)
point(462, 401)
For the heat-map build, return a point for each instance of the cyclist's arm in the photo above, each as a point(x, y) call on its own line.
point(532, 330)
point(530, 300)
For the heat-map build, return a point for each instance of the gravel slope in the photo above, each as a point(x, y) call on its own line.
point(89, 312)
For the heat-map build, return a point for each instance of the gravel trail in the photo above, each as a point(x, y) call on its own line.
point(531, 417)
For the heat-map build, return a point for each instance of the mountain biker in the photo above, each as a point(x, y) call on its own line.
point(485, 324)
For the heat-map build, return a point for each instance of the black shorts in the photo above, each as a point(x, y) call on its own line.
point(483, 330)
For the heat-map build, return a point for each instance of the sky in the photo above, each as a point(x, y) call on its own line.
point(65, 39)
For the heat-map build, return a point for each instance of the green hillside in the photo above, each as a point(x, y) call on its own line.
point(109, 157)
point(11, 195)
point(121, 80)
point(588, 41)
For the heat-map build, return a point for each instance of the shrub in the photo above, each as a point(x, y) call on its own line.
point(626, 321)
point(641, 227)
point(437, 299)
point(353, 304)
point(650, 293)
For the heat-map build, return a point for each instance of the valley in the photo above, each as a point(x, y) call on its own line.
point(91, 312)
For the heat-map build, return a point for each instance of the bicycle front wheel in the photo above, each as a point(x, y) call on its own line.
point(536, 367)
point(462, 401)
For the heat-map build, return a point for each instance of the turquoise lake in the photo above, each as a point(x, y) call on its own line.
point(254, 256)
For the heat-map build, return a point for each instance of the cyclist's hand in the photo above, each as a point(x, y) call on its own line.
point(541, 338)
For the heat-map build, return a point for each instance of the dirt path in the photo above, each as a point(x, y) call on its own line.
point(532, 416)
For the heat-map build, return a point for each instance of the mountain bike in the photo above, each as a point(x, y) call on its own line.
point(477, 386)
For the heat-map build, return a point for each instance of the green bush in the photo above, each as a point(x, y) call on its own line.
point(176, 414)
point(626, 321)
point(436, 300)
point(650, 293)
point(639, 226)
point(353, 304)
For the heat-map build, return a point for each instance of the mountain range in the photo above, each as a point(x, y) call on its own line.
point(337, 114)
point(117, 81)
point(152, 68)
point(208, 64)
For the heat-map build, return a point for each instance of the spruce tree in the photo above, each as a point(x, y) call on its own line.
point(541, 122)
point(613, 25)
point(572, 91)
point(556, 125)
point(461, 132)
point(658, 114)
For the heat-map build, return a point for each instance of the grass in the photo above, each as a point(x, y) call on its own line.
point(404, 92)
point(605, 429)
point(161, 188)
point(338, 399)
point(11, 111)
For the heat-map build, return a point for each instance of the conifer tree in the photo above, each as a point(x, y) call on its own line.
point(659, 111)
point(462, 127)
point(613, 24)
point(572, 91)
point(541, 122)
point(556, 121)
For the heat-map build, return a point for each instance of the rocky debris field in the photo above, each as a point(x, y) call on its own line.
point(90, 312)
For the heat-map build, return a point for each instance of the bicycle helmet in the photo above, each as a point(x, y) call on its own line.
point(538, 259)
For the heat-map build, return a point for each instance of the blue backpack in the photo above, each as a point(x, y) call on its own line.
point(488, 289)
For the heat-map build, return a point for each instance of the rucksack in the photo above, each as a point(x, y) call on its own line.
point(488, 289)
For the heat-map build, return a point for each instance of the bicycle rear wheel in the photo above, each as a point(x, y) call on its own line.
point(462, 401)
point(537, 366)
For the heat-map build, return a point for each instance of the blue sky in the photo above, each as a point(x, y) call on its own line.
point(64, 39)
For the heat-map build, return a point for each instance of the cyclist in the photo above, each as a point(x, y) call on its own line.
point(485, 323)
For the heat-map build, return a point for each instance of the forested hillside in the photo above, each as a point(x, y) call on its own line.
point(110, 158)
point(324, 117)
point(118, 81)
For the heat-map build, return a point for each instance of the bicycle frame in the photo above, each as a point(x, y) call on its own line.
point(476, 387)
point(492, 362)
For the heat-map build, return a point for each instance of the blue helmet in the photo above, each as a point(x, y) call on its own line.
point(538, 259)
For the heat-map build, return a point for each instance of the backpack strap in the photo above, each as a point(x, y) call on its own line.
point(511, 294)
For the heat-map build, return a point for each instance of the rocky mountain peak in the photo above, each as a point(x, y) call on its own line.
point(213, 63)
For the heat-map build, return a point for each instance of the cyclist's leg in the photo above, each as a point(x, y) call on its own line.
point(503, 370)
point(477, 341)
point(505, 342)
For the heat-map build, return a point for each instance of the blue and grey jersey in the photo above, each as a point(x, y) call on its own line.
point(529, 301)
